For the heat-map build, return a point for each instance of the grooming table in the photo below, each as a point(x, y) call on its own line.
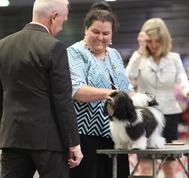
point(176, 151)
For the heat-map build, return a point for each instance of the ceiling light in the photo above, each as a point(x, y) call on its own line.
point(4, 3)
point(110, 0)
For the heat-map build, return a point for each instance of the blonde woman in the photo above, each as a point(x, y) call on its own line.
point(153, 68)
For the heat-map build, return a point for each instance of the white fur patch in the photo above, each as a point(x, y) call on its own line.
point(141, 99)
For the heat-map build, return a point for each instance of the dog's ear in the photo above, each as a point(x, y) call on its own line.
point(110, 110)
point(108, 106)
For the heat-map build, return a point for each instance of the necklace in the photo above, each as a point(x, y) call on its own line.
point(100, 56)
point(111, 71)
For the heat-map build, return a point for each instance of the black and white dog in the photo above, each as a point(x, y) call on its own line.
point(134, 124)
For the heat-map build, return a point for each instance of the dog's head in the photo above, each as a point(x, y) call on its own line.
point(118, 105)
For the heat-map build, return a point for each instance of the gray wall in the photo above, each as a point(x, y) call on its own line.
point(131, 15)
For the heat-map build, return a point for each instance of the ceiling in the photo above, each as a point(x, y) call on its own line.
point(121, 3)
point(30, 2)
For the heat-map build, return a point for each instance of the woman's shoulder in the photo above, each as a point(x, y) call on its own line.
point(78, 46)
point(113, 53)
point(112, 50)
point(173, 54)
point(79, 52)
point(175, 57)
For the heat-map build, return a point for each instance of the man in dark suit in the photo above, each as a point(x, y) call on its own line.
point(38, 129)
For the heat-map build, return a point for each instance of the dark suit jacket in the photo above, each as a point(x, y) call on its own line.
point(35, 81)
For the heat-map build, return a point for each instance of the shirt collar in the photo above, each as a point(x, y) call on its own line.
point(40, 25)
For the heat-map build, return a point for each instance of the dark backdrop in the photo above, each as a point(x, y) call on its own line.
point(131, 15)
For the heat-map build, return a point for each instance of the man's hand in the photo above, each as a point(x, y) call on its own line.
point(75, 156)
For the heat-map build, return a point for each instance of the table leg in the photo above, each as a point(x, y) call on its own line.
point(114, 159)
point(187, 164)
point(154, 166)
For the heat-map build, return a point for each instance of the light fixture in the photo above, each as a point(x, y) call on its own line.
point(110, 0)
point(4, 3)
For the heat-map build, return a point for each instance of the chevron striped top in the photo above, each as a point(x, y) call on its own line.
point(87, 70)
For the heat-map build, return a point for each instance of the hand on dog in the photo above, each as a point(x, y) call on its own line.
point(109, 92)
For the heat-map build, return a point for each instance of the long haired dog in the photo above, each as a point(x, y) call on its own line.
point(134, 127)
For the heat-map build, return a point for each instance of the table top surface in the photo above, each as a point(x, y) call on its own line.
point(168, 149)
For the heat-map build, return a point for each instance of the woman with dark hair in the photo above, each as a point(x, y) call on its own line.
point(96, 71)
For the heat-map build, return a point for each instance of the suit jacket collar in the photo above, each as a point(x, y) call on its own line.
point(36, 27)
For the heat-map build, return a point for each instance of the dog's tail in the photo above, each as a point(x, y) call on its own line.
point(143, 100)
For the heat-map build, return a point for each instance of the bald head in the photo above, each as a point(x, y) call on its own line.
point(48, 13)
point(44, 8)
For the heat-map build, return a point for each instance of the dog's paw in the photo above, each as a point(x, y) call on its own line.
point(134, 149)
point(140, 144)
point(158, 142)
point(117, 146)
point(120, 146)
point(138, 147)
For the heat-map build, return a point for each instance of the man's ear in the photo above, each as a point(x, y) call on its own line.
point(53, 16)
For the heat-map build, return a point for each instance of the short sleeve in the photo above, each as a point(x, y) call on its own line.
point(77, 69)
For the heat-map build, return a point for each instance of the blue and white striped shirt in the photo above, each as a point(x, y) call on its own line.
point(86, 69)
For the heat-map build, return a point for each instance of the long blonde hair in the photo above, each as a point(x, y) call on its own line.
point(157, 27)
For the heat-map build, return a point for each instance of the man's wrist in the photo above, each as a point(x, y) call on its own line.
point(75, 148)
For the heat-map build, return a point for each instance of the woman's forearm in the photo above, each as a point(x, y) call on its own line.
point(90, 94)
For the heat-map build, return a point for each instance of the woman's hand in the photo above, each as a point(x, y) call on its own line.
point(142, 41)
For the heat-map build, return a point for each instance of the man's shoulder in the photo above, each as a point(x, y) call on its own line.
point(9, 36)
point(42, 39)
